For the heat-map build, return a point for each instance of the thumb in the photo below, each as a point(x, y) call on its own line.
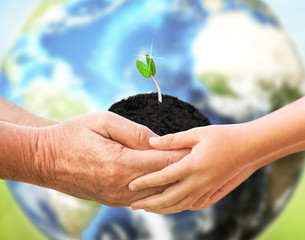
point(124, 131)
point(186, 139)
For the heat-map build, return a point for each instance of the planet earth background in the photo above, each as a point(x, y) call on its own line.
point(55, 77)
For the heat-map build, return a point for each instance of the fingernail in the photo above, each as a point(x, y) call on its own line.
point(154, 140)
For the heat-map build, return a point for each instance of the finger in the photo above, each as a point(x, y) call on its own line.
point(206, 201)
point(169, 197)
point(165, 176)
point(221, 193)
point(202, 201)
point(180, 206)
point(179, 140)
point(229, 186)
point(124, 131)
point(155, 160)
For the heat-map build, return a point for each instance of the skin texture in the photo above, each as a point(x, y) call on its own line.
point(221, 157)
point(92, 156)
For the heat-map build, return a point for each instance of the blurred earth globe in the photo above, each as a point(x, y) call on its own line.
point(229, 58)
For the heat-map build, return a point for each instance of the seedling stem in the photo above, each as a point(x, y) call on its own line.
point(158, 88)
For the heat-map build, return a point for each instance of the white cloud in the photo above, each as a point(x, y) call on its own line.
point(57, 19)
point(236, 45)
point(245, 53)
point(213, 5)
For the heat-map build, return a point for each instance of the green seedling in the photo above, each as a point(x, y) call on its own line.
point(149, 71)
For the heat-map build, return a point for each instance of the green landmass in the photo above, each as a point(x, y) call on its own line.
point(282, 95)
point(217, 84)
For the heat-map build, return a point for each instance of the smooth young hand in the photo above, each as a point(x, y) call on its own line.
point(221, 157)
point(214, 160)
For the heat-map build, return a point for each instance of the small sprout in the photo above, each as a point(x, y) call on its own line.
point(143, 69)
point(149, 71)
point(151, 65)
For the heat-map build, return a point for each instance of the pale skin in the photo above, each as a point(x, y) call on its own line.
point(92, 156)
point(221, 157)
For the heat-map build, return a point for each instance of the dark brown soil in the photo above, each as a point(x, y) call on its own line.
point(170, 116)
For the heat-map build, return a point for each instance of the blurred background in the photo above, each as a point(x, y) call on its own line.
point(235, 60)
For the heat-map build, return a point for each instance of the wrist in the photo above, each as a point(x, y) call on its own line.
point(281, 132)
point(242, 140)
point(26, 154)
point(242, 144)
point(44, 157)
point(18, 144)
point(267, 140)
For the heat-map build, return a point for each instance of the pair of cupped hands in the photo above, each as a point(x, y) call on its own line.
point(111, 160)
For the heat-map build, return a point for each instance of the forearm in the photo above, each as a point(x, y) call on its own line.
point(12, 113)
point(277, 134)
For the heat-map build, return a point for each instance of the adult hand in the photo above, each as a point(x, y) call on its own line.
point(216, 165)
point(95, 156)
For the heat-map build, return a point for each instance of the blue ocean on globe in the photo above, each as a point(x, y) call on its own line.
point(75, 56)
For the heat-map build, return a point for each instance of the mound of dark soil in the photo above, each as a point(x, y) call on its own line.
point(170, 116)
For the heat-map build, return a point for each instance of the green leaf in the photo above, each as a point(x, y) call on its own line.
point(151, 65)
point(143, 69)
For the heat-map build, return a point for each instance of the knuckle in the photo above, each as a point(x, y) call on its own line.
point(163, 179)
point(104, 119)
point(111, 176)
point(142, 133)
point(168, 161)
point(107, 115)
point(121, 151)
point(169, 139)
point(171, 158)
point(104, 122)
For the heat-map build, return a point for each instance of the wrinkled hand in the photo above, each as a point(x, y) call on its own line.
point(95, 156)
point(215, 166)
